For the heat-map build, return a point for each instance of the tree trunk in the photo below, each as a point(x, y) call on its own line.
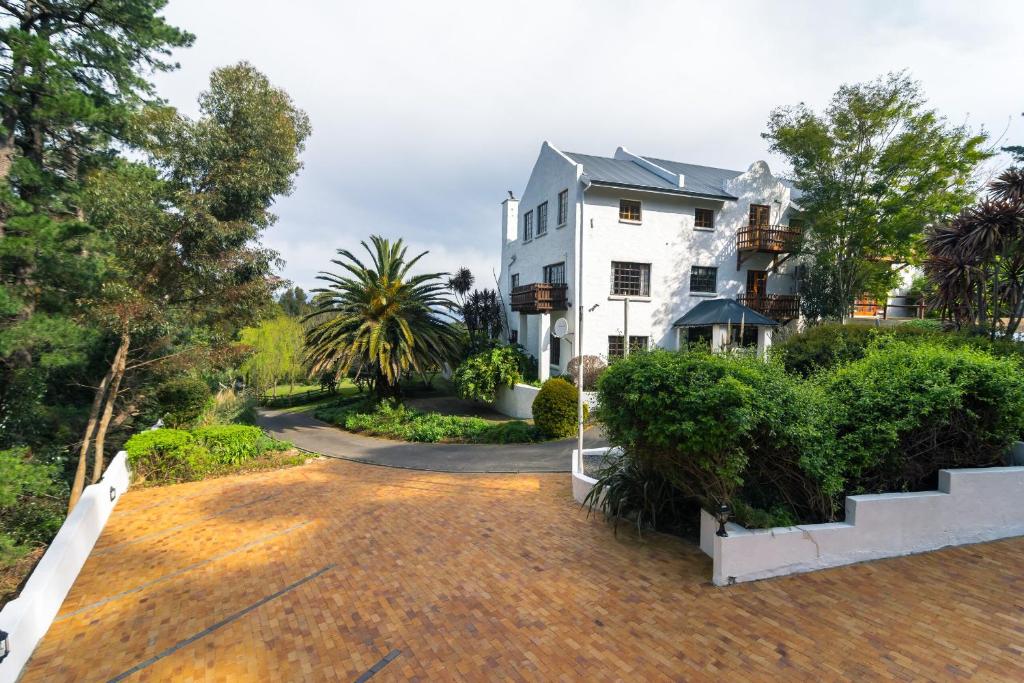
point(108, 409)
point(97, 402)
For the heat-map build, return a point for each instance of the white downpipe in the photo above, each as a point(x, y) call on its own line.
point(579, 332)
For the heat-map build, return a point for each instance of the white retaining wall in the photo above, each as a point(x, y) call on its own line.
point(516, 402)
point(27, 619)
point(971, 505)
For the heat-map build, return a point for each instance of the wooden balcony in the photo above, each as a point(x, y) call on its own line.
point(539, 297)
point(780, 307)
point(768, 239)
point(897, 307)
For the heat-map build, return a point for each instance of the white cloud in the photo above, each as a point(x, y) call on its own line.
point(425, 113)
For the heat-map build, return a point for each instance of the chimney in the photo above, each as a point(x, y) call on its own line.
point(510, 217)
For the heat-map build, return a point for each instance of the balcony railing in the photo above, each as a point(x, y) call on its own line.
point(539, 297)
point(780, 307)
point(773, 239)
point(891, 307)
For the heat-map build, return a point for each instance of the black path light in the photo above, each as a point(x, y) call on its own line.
point(723, 516)
point(5, 645)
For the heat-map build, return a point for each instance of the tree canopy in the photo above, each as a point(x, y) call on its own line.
point(874, 169)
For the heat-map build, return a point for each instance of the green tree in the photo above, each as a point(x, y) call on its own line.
point(381, 319)
point(183, 229)
point(874, 169)
point(276, 349)
point(293, 302)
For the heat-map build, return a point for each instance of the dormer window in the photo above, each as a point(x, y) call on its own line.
point(629, 210)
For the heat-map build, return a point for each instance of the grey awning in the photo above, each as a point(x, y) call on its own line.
point(722, 312)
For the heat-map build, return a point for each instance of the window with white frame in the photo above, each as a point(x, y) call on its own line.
point(563, 207)
point(629, 210)
point(704, 218)
point(542, 219)
point(631, 279)
point(704, 279)
point(528, 226)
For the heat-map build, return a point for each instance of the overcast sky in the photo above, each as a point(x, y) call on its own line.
point(425, 113)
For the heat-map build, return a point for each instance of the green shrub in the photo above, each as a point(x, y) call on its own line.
point(716, 425)
point(905, 411)
point(515, 431)
point(628, 488)
point(182, 401)
point(234, 444)
point(167, 455)
point(478, 377)
point(395, 421)
point(555, 409)
point(32, 503)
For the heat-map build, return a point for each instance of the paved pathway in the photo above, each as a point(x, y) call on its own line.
point(311, 434)
point(326, 571)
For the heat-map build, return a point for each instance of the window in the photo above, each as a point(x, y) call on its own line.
point(629, 210)
point(615, 348)
point(699, 336)
point(631, 279)
point(556, 350)
point(555, 274)
point(703, 218)
point(760, 214)
point(528, 226)
point(513, 336)
point(796, 223)
point(542, 219)
point(748, 339)
point(704, 279)
point(563, 207)
point(514, 280)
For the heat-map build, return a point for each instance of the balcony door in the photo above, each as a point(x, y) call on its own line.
point(757, 283)
point(760, 215)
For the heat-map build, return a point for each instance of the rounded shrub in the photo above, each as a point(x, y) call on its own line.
point(555, 409)
point(183, 400)
point(593, 367)
point(167, 455)
point(905, 411)
point(478, 377)
point(234, 444)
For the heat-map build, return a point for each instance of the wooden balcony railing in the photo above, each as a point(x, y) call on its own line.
point(780, 307)
point(539, 297)
point(892, 307)
point(773, 239)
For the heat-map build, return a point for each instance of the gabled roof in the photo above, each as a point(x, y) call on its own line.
point(705, 181)
point(722, 312)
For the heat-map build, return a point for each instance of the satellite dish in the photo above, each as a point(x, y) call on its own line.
point(560, 328)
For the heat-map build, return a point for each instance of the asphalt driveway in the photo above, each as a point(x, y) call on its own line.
point(310, 434)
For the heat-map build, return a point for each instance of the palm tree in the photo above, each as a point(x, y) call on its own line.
point(460, 283)
point(379, 319)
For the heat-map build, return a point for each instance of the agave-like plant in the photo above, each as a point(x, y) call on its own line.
point(976, 261)
point(379, 319)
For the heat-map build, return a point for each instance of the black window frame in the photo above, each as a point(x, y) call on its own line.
point(528, 226)
point(555, 353)
point(700, 276)
point(542, 219)
point(626, 215)
point(554, 268)
point(643, 279)
point(709, 214)
point(513, 281)
point(563, 207)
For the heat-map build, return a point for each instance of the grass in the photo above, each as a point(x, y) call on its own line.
point(286, 390)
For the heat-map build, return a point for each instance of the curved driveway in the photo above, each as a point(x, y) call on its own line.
point(315, 436)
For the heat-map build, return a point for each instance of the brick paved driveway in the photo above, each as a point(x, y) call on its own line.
point(335, 569)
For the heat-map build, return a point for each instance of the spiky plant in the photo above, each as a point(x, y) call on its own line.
point(376, 318)
point(461, 283)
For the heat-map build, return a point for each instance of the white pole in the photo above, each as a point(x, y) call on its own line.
point(579, 334)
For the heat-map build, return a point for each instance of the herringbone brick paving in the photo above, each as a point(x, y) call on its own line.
point(495, 577)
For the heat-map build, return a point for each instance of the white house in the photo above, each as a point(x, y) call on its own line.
point(658, 238)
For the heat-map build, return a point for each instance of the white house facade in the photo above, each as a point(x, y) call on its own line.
point(658, 238)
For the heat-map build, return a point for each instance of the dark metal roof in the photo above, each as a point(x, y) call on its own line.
point(700, 179)
point(722, 312)
point(626, 173)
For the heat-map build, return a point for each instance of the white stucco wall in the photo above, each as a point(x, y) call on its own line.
point(516, 402)
point(27, 619)
point(971, 505)
point(666, 238)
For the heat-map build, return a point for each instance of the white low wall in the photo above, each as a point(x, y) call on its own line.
point(27, 619)
point(971, 505)
point(516, 402)
point(581, 483)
